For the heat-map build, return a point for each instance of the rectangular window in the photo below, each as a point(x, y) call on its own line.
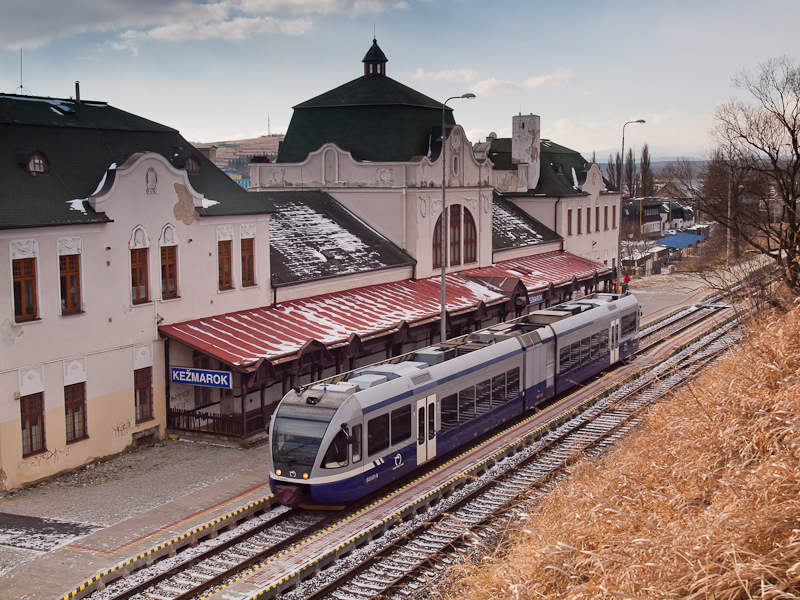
point(357, 443)
point(32, 417)
point(139, 291)
point(597, 218)
point(613, 216)
point(70, 273)
point(75, 411)
point(455, 235)
point(466, 405)
point(24, 271)
point(224, 253)
point(605, 217)
point(401, 425)
point(588, 219)
point(143, 393)
point(483, 398)
point(569, 221)
point(378, 434)
point(580, 220)
point(449, 412)
point(498, 389)
point(169, 272)
point(512, 384)
point(248, 272)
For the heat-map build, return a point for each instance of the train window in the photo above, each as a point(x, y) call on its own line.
point(357, 443)
point(401, 424)
point(336, 456)
point(628, 324)
point(466, 405)
point(378, 434)
point(431, 420)
point(449, 412)
point(574, 354)
point(421, 425)
point(563, 360)
point(595, 352)
point(512, 384)
point(585, 350)
point(603, 344)
point(483, 397)
point(498, 389)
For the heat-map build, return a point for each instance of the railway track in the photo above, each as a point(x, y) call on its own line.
point(426, 535)
point(197, 569)
point(406, 558)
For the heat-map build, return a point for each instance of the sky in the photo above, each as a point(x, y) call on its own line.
point(220, 70)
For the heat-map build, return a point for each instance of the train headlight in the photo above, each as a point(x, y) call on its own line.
point(305, 475)
point(278, 472)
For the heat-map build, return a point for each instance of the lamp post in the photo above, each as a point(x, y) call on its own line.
point(443, 334)
point(619, 225)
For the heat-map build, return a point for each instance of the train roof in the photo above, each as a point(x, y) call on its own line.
point(383, 382)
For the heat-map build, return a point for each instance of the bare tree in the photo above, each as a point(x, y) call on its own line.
point(646, 172)
point(630, 172)
point(612, 171)
point(757, 164)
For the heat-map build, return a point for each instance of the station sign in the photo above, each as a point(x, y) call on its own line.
point(535, 298)
point(203, 377)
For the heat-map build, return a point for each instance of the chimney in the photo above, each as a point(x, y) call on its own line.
point(526, 146)
point(78, 92)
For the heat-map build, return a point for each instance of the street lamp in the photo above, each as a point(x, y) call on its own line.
point(619, 216)
point(444, 216)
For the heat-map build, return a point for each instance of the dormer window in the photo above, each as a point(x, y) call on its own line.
point(37, 164)
point(192, 164)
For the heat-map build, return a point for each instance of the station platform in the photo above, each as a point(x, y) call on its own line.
point(76, 569)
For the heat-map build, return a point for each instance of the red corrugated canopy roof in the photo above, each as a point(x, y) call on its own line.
point(539, 271)
point(243, 338)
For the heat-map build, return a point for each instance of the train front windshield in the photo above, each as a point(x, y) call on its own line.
point(297, 434)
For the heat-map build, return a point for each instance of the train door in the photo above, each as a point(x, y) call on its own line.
point(614, 339)
point(426, 429)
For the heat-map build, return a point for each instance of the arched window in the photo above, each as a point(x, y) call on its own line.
point(37, 163)
point(192, 164)
point(437, 244)
point(470, 239)
point(455, 234)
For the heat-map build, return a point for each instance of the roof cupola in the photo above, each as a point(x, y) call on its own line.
point(375, 61)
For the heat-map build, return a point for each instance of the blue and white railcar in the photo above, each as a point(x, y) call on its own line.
point(335, 443)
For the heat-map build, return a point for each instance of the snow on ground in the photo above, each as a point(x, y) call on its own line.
point(104, 494)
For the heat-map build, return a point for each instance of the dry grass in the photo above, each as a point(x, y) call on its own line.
point(704, 502)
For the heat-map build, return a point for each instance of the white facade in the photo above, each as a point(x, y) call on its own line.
point(152, 206)
point(402, 200)
point(588, 220)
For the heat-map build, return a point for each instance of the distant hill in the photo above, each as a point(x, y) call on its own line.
point(240, 151)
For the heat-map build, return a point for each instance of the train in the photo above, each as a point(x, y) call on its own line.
point(335, 443)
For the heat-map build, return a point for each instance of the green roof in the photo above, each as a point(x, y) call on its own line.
point(560, 167)
point(312, 237)
point(375, 118)
point(80, 142)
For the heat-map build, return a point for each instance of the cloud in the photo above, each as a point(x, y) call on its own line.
point(232, 30)
point(463, 75)
point(497, 87)
point(33, 24)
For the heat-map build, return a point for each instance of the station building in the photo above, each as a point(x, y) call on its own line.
point(128, 255)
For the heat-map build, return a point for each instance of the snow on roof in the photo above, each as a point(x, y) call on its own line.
point(537, 272)
point(244, 337)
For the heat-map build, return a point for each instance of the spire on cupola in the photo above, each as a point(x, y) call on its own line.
point(375, 61)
